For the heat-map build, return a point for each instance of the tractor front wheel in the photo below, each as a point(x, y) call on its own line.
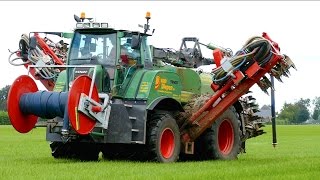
point(163, 138)
point(75, 150)
point(61, 150)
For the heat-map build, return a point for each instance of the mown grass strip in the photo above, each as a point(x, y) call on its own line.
point(297, 156)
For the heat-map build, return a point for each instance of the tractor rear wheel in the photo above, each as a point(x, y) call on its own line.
point(222, 140)
point(163, 138)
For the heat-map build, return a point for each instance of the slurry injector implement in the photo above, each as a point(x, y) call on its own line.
point(109, 91)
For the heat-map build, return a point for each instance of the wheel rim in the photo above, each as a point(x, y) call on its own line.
point(225, 137)
point(167, 143)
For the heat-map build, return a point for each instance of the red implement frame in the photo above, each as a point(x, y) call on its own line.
point(47, 50)
point(48, 83)
point(228, 94)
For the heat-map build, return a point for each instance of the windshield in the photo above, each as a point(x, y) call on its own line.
point(93, 48)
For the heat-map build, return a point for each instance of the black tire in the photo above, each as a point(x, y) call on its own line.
point(134, 152)
point(86, 151)
point(75, 150)
point(163, 138)
point(117, 151)
point(110, 151)
point(222, 140)
point(61, 150)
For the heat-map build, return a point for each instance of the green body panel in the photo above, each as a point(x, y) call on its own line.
point(206, 81)
point(192, 82)
point(190, 79)
point(164, 83)
point(61, 82)
point(129, 90)
point(68, 35)
point(100, 77)
point(151, 84)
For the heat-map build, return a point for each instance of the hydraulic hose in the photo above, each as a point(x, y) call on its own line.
point(34, 55)
point(255, 49)
point(23, 51)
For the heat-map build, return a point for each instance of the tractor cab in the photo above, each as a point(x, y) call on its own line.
point(117, 54)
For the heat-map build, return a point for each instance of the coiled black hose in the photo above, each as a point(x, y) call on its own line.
point(256, 49)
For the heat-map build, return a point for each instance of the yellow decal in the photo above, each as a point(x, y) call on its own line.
point(162, 86)
point(166, 92)
point(77, 118)
point(157, 83)
point(144, 87)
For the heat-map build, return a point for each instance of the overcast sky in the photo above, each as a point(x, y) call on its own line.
point(294, 25)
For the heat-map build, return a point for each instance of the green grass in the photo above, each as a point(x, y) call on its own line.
point(297, 156)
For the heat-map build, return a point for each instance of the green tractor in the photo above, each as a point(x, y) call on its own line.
point(118, 95)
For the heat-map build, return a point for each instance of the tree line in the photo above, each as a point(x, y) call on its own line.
point(297, 112)
point(4, 119)
point(300, 111)
point(3, 97)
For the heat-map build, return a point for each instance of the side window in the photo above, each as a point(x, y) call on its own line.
point(128, 55)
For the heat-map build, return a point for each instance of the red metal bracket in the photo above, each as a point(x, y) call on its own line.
point(217, 56)
point(253, 69)
point(47, 50)
point(238, 77)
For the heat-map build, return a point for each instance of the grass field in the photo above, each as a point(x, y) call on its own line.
point(297, 156)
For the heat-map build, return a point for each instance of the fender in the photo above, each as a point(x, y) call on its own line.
point(165, 103)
